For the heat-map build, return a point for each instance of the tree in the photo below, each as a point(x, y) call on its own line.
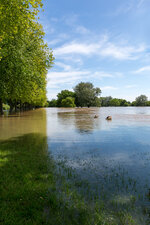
point(105, 101)
point(52, 103)
point(114, 102)
point(64, 94)
point(148, 103)
point(24, 57)
point(86, 94)
point(68, 102)
point(141, 100)
point(124, 102)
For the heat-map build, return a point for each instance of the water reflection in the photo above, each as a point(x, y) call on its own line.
point(23, 123)
point(114, 156)
point(82, 119)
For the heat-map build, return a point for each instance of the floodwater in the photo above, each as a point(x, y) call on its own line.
point(113, 156)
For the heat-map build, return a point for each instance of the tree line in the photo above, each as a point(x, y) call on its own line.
point(24, 56)
point(86, 95)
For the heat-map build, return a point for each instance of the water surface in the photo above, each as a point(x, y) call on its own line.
point(112, 156)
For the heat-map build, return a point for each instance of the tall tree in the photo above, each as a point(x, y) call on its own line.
point(141, 100)
point(86, 94)
point(24, 57)
point(64, 94)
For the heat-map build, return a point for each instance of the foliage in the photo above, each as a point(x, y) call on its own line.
point(105, 101)
point(6, 107)
point(109, 101)
point(25, 58)
point(86, 94)
point(68, 102)
point(64, 94)
point(141, 100)
point(52, 103)
point(114, 102)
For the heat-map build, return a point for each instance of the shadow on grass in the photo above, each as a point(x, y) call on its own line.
point(23, 180)
point(28, 194)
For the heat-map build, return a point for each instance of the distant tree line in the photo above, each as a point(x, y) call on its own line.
point(85, 95)
point(24, 56)
point(141, 100)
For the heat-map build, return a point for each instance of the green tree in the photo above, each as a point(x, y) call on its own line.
point(148, 103)
point(105, 101)
point(114, 102)
point(141, 100)
point(68, 102)
point(86, 94)
point(25, 58)
point(52, 103)
point(64, 94)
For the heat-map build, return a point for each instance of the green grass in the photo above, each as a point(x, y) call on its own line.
point(28, 190)
point(24, 180)
point(34, 190)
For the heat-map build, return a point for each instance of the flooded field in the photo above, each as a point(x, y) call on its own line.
point(111, 159)
point(104, 165)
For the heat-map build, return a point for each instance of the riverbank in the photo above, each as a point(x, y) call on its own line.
point(24, 180)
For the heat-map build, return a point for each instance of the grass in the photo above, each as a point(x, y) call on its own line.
point(34, 190)
point(28, 191)
point(24, 180)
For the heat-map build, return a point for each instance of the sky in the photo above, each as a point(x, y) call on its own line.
point(106, 42)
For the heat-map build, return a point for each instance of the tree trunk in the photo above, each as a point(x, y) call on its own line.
point(11, 107)
point(1, 107)
point(15, 106)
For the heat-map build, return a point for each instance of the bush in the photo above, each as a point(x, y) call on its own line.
point(68, 102)
point(6, 107)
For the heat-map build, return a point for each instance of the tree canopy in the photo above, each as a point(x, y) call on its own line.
point(141, 100)
point(68, 102)
point(86, 94)
point(24, 57)
point(63, 95)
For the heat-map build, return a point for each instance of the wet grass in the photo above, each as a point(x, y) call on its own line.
point(36, 190)
point(24, 180)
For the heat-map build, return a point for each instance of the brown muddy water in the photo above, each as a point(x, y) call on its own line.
point(113, 157)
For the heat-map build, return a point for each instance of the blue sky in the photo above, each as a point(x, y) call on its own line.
point(106, 42)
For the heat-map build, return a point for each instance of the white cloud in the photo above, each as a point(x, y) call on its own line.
point(76, 48)
point(69, 77)
point(57, 79)
point(102, 48)
point(130, 86)
point(108, 88)
point(102, 74)
point(63, 65)
point(122, 52)
point(142, 69)
point(81, 30)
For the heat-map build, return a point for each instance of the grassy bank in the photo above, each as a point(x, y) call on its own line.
point(28, 190)
point(24, 180)
point(35, 191)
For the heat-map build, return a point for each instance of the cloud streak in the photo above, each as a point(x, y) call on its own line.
point(142, 70)
point(103, 48)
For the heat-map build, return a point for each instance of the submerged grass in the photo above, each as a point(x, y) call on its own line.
point(34, 190)
point(28, 191)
